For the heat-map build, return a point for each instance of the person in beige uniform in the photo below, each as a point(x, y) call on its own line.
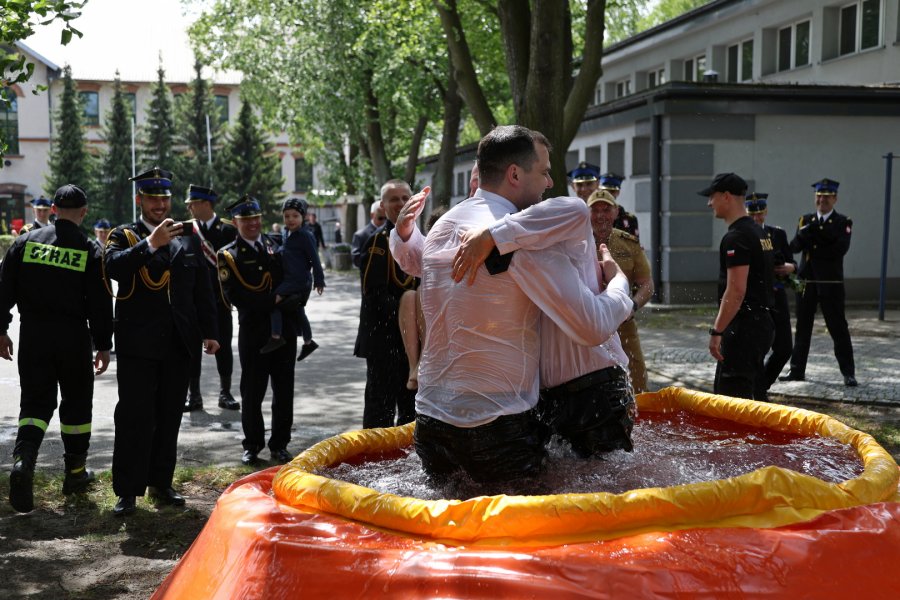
point(629, 255)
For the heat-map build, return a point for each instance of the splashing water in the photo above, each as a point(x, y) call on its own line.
point(669, 449)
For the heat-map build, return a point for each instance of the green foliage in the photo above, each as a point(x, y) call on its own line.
point(17, 22)
point(248, 164)
point(626, 18)
point(116, 190)
point(159, 135)
point(69, 160)
point(5, 242)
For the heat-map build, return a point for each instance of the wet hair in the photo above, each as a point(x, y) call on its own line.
point(394, 183)
point(504, 146)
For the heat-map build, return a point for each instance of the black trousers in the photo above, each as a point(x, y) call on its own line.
point(745, 343)
point(782, 344)
point(257, 370)
point(832, 303)
point(594, 413)
point(507, 448)
point(148, 418)
point(55, 355)
point(224, 356)
point(386, 396)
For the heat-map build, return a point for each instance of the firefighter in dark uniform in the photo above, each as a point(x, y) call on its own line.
point(42, 208)
point(625, 221)
point(379, 340)
point(585, 179)
point(101, 232)
point(165, 314)
point(54, 276)
point(757, 208)
point(215, 233)
point(249, 271)
point(743, 330)
point(822, 239)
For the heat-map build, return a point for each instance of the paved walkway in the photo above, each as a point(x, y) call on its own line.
point(330, 383)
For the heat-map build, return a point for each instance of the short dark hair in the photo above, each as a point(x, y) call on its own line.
point(507, 145)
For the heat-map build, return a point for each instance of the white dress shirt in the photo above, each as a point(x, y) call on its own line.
point(480, 359)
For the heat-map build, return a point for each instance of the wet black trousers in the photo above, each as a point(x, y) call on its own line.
point(148, 418)
point(594, 413)
point(745, 343)
point(55, 355)
point(386, 396)
point(507, 448)
point(783, 342)
point(257, 371)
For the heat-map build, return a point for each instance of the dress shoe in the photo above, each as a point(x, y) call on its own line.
point(249, 458)
point(281, 456)
point(307, 349)
point(272, 345)
point(227, 401)
point(850, 381)
point(194, 402)
point(791, 376)
point(125, 506)
point(166, 496)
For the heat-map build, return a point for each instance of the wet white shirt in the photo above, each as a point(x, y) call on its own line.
point(482, 353)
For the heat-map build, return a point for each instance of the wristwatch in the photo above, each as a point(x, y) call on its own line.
point(712, 331)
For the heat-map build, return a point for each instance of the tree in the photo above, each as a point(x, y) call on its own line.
point(69, 160)
point(159, 139)
point(17, 23)
point(248, 164)
point(115, 188)
point(194, 110)
point(549, 93)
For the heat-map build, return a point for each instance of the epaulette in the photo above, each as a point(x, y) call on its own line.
point(226, 221)
point(627, 236)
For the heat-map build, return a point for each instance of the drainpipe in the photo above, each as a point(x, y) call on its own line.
point(656, 202)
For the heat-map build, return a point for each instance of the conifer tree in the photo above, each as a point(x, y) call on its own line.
point(248, 164)
point(191, 112)
point(116, 190)
point(69, 160)
point(159, 137)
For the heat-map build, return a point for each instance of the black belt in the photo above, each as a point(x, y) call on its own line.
point(589, 380)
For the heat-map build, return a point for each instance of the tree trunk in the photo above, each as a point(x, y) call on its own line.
point(374, 136)
point(515, 23)
point(464, 67)
point(442, 183)
point(415, 145)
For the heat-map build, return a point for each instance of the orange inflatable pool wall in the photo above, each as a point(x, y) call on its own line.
point(288, 533)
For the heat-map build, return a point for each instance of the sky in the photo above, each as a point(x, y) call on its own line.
point(127, 35)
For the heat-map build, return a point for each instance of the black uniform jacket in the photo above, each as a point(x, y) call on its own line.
point(383, 282)
point(54, 273)
point(249, 278)
point(218, 235)
point(163, 296)
point(359, 240)
point(822, 247)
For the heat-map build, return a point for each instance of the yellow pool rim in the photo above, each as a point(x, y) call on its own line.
point(767, 497)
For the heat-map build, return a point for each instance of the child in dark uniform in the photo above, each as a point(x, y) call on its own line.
point(302, 272)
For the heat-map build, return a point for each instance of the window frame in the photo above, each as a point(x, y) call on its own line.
point(307, 174)
point(656, 77)
point(794, 46)
point(857, 43)
point(623, 88)
point(694, 62)
point(90, 120)
point(222, 112)
point(739, 48)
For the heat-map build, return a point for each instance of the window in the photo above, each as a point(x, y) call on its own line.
point(623, 88)
point(91, 103)
point(303, 175)
point(656, 78)
point(694, 68)
point(9, 121)
point(598, 95)
point(740, 62)
point(859, 27)
point(221, 103)
point(793, 46)
point(131, 102)
point(461, 184)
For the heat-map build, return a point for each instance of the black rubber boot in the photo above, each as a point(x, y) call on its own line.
point(78, 476)
point(21, 479)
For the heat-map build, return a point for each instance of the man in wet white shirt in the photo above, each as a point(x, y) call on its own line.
point(478, 376)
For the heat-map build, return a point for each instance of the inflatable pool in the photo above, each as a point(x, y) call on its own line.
point(296, 533)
